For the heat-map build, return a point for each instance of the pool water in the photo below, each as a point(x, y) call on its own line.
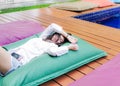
point(109, 17)
point(112, 22)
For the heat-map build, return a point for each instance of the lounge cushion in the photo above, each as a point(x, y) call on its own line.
point(106, 75)
point(75, 6)
point(45, 67)
point(101, 3)
point(14, 31)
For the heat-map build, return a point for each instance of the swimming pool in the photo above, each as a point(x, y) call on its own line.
point(109, 17)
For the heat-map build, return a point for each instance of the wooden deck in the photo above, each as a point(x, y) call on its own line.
point(103, 37)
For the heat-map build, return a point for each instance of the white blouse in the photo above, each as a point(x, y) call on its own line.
point(37, 46)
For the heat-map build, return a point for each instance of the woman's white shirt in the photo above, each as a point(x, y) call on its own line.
point(37, 46)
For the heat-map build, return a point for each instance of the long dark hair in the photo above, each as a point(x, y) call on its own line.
point(59, 44)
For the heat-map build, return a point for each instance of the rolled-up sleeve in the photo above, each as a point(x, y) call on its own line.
point(50, 30)
point(58, 51)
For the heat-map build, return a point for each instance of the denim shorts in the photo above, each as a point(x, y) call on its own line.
point(15, 64)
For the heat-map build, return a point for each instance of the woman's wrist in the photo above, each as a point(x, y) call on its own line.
point(64, 34)
point(67, 36)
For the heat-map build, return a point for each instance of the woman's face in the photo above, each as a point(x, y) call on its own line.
point(57, 39)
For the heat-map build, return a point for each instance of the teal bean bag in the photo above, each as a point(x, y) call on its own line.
point(45, 67)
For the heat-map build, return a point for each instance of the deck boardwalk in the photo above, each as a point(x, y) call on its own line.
point(103, 37)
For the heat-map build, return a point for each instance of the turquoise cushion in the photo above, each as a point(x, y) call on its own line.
point(45, 67)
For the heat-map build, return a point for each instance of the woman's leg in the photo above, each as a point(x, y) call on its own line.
point(5, 60)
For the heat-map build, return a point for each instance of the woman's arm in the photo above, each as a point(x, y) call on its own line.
point(59, 51)
point(56, 28)
point(50, 30)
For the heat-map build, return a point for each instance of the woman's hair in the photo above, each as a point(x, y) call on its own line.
point(65, 39)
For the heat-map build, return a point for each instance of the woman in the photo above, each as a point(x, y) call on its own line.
point(48, 42)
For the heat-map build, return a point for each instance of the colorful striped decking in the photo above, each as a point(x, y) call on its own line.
point(103, 37)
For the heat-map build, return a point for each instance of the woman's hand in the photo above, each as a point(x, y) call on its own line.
point(69, 37)
point(72, 39)
point(73, 47)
